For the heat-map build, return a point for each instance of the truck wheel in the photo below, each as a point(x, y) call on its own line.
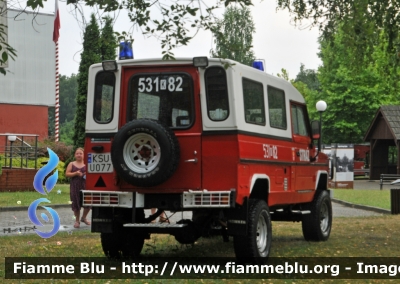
point(132, 245)
point(257, 243)
point(122, 244)
point(187, 235)
point(111, 245)
point(145, 153)
point(317, 225)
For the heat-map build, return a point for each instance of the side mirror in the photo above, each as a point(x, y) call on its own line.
point(332, 168)
point(315, 127)
point(316, 135)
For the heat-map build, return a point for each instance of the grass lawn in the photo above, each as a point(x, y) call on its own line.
point(375, 198)
point(26, 197)
point(350, 237)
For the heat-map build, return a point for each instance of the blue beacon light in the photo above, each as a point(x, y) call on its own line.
point(258, 65)
point(125, 50)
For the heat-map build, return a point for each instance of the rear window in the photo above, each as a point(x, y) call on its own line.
point(166, 97)
point(104, 97)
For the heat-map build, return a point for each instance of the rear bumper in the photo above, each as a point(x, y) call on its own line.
point(188, 199)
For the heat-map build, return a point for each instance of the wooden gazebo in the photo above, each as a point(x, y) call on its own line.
point(384, 132)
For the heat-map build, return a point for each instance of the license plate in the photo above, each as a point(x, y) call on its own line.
point(100, 163)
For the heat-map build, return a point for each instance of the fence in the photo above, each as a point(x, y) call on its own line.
point(18, 151)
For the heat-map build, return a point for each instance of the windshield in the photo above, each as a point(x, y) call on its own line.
point(166, 97)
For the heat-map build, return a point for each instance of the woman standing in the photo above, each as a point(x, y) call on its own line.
point(76, 170)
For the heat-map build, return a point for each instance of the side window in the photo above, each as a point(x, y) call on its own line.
point(277, 109)
point(104, 97)
point(299, 121)
point(253, 97)
point(216, 93)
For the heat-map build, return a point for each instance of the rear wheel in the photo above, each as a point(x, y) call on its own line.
point(132, 245)
point(111, 245)
point(124, 242)
point(257, 244)
point(317, 225)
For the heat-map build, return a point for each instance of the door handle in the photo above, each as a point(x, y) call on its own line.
point(191, 161)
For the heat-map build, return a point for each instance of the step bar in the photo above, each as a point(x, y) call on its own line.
point(155, 225)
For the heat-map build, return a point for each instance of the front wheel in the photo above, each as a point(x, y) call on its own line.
point(317, 225)
point(257, 244)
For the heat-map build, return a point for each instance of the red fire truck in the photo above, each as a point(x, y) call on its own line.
point(226, 141)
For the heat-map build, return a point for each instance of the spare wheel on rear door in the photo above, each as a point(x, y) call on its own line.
point(145, 152)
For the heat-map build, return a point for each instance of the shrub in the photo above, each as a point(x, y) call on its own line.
point(62, 150)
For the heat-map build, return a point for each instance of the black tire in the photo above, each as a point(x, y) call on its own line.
point(256, 246)
point(132, 245)
point(122, 245)
point(317, 225)
point(189, 234)
point(145, 153)
point(111, 245)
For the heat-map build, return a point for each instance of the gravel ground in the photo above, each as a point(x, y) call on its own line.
point(340, 210)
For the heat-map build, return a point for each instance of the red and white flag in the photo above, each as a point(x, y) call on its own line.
point(56, 32)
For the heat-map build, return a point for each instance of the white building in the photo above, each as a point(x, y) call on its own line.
point(28, 89)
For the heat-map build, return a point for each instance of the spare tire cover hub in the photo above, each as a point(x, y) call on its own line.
point(142, 153)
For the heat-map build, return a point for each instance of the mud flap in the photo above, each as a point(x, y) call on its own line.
point(237, 220)
point(102, 221)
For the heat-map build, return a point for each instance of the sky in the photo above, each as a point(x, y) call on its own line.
point(276, 40)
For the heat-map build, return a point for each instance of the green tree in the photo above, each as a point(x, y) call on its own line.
point(68, 93)
point(311, 96)
point(284, 75)
point(67, 132)
point(350, 92)
point(386, 70)
point(308, 84)
point(308, 77)
point(234, 35)
point(108, 40)
point(91, 54)
point(359, 19)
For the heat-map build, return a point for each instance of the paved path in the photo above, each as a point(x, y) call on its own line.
point(18, 222)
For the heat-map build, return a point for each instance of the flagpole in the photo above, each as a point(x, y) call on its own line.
point(56, 35)
point(57, 107)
